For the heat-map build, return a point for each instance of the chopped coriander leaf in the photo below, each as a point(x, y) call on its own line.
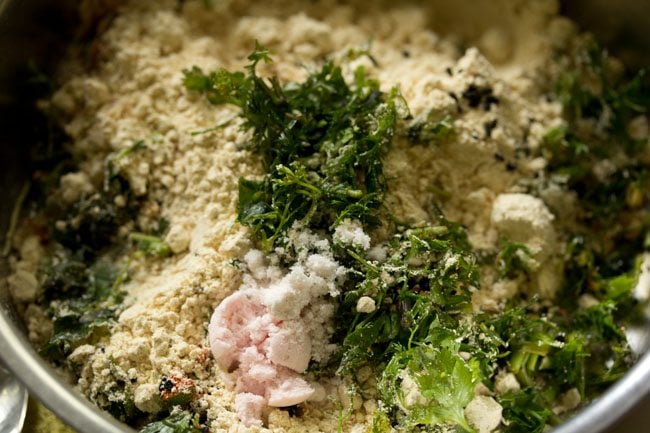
point(589, 89)
point(85, 302)
point(425, 281)
point(80, 280)
point(513, 259)
point(525, 411)
point(322, 141)
point(151, 245)
point(96, 222)
point(91, 224)
point(430, 131)
point(136, 147)
point(381, 422)
point(599, 108)
point(438, 381)
point(184, 422)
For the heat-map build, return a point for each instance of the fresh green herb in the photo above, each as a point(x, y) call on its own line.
point(136, 147)
point(599, 106)
point(217, 127)
point(590, 89)
point(594, 155)
point(586, 350)
point(92, 223)
point(321, 140)
point(431, 131)
point(151, 245)
point(441, 380)
point(426, 278)
point(80, 280)
point(514, 259)
point(184, 422)
point(381, 422)
point(84, 302)
point(526, 411)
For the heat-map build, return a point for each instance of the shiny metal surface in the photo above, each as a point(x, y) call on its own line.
point(32, 31)
point(13, 403)
point(44, 383)
point(38, 29)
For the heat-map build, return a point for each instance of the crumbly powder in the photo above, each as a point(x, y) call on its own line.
point(135, 93)
point(351, 233)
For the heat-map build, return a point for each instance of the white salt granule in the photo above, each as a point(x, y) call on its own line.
point(350, 232)
point(483, 413)
point(366, 304)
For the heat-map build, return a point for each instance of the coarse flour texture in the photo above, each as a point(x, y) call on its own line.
point(433, 52)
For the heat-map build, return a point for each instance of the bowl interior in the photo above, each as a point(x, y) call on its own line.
point(34, 33)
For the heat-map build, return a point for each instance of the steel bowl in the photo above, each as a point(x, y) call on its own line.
point(38, 31)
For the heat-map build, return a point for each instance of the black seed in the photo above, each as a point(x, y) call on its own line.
point(453, 96)
point(480, 96)
point(489, 127)
point(165, 385)
point(489, 101)
point(499, 157)
point(473, 95)
point(294, 411)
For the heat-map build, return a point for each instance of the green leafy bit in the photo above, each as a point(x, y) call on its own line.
point(432, 384)
point(91, 223)
point(136, 147)
point(426, 279)
point(183, 422)
point(586, 350)
point(80, 279)
point(589, 88)
point(431, 131)
point(526, 411)
point(514, 259)
point(84, 302)
point(151, 245)
point(599, 106)
point(321, 140)
point(116, 161)
point(381, 422)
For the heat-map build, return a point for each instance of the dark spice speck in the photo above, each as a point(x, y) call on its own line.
point(294, 411)
point(489, 127)
point(480, 96)
point(165, 385)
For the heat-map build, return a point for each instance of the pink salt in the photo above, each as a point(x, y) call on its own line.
point(263, 354)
